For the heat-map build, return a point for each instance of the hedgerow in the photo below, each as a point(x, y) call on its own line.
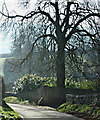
point(30, 82)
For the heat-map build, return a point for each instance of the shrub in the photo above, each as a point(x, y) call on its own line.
point(50, 81)
point(28, 83)
point(32, 82)
point(84, 84)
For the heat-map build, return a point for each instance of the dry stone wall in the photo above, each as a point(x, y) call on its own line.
point(55, 96)
point(84, 99)
point(0, 90)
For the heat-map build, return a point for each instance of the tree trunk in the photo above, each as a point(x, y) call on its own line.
point(60, 66)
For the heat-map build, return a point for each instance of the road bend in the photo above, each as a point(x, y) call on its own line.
point(40, 113)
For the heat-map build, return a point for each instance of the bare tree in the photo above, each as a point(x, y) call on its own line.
point(70, 24)
point(41, 60)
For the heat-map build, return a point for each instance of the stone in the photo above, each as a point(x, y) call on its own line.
point(1, 90)
point(84, 99)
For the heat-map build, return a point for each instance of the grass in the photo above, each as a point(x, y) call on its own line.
point(15, 100)
point(2, 60)
point(11, 100)
point(88, 112)
point(8, 112)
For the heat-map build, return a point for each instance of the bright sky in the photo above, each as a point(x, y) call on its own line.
point(5, 42)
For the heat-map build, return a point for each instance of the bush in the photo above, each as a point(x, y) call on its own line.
point(84, 84)
point(32, 82)
point(28, 83)
point(50, 81)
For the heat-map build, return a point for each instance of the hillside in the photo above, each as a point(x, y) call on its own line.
point(7, 72)
point(6, 55)
point(2, 61)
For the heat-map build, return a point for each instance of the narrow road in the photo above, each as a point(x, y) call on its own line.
point(38, 113)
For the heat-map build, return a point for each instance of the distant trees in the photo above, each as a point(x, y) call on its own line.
point(41, 59)
point(69, 25)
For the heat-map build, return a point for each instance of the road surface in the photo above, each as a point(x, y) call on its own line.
point(40, 113)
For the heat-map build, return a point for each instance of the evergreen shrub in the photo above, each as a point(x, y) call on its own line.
point(31, 82)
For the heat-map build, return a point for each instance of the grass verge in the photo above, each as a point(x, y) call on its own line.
point(8, 112)
point(11, 100)
point(15, 100)
point(88, 112)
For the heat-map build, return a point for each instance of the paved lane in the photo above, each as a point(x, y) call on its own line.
point(40, 113)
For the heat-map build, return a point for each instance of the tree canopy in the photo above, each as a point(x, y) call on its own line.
point(70, 25)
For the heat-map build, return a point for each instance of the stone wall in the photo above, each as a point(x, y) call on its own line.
point(84, 99)
point(45, 96)
point(0, 90)
point(77, 91)
point(56, 96)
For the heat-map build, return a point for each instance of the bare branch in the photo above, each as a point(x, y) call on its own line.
point(14, 16)
point(87, 33)
point(47, 15)
point(80, 21)
point(43, 36)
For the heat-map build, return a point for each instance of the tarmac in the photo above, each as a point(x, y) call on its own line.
point(41, 113)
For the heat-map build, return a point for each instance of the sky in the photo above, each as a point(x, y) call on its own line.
point(5, 41)
point(12, 5)
point(5, 44)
